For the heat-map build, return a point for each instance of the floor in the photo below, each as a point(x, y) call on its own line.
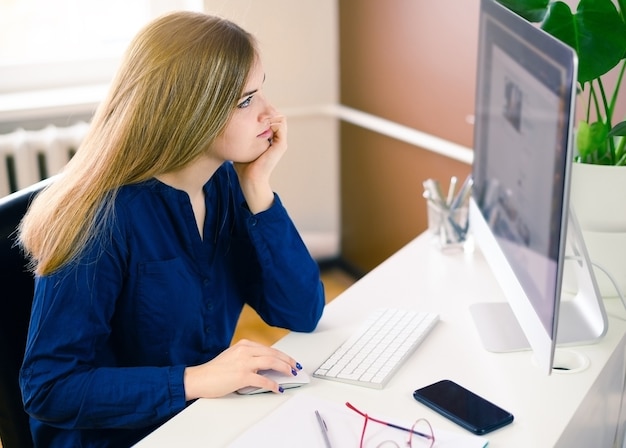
point(252, 327)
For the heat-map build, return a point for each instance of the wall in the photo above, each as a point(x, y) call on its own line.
point(299, 44)
point(413, 63)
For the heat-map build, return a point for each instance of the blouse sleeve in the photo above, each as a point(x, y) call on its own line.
point(292, 294)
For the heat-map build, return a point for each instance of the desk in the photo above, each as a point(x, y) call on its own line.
point(580, 409)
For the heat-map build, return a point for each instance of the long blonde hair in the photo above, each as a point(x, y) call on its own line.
point(173, 95)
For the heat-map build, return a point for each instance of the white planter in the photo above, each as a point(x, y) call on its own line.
point(598, 196)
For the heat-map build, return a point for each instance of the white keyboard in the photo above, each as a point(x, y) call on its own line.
point(378, 348)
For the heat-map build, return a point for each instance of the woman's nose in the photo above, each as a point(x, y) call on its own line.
point(269, 111)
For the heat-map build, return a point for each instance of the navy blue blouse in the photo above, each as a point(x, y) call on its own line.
point(112, 332)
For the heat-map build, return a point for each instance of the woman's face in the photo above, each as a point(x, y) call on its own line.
point(247, 134)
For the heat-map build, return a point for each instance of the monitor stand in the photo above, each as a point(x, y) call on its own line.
point(582, 316)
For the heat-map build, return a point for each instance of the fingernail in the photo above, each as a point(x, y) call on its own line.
point(294, 372)
point(280, 389)
point(298, 366)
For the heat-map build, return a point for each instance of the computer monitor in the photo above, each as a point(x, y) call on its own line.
point(519, 208)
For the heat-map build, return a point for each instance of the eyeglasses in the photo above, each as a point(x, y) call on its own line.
point(421, 427)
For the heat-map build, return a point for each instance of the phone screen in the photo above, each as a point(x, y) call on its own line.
point(463, 407)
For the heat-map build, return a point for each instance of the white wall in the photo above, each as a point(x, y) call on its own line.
point(299, 44)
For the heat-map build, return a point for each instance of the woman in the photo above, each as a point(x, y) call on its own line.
point(159, 230)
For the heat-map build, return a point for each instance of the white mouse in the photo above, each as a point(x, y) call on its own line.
point(286, 381)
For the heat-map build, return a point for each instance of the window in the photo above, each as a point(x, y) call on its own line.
point(66, 43)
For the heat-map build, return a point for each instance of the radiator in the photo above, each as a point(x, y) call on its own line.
point(26, 157)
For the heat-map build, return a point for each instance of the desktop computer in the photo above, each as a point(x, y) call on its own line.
point(519, 208)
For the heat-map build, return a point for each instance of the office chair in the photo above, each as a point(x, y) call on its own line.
point(15, 304)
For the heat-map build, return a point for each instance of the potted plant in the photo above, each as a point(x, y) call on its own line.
point(596, 29)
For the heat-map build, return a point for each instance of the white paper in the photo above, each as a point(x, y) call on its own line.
point(294, 424)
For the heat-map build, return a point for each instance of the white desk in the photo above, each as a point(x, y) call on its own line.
point(565, 409)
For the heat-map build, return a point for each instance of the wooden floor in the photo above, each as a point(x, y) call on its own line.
point(252, 327)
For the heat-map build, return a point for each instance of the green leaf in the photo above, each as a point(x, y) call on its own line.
point(618, 130)
point(561, 23)
point(596, 31)
point(532, 10)
point(591, 141)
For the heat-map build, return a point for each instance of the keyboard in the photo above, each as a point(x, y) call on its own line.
point(375, 351)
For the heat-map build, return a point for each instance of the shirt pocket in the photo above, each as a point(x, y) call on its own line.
point(168, 308)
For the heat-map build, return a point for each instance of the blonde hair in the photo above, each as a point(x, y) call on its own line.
point(174, 93)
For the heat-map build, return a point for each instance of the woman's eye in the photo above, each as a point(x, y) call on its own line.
point(245, 103)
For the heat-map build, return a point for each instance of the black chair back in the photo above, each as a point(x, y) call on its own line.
point(15, 305)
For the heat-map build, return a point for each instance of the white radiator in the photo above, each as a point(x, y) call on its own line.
point(26, 157)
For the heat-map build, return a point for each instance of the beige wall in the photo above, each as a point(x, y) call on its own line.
point(299, 44)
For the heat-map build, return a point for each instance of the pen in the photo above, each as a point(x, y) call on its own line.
point(463, 193)
point(323, 428)
point(402, 428)
point(432, 191)
point(451, 190)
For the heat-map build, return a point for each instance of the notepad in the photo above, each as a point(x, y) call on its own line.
point(294, 423)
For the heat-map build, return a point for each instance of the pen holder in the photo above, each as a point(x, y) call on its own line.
point(448, 226)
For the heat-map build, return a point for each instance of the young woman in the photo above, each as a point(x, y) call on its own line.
point(157, 233)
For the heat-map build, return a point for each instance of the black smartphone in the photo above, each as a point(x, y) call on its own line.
point(463, 407)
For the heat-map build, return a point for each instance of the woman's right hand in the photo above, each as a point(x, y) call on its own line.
point(237, 367)
point(254, 176)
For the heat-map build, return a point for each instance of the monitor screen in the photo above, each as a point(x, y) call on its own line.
point(519, 209)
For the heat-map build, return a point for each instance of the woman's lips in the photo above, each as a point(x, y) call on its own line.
point(267, 134)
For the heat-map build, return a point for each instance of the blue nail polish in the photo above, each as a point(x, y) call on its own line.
point(294, 372)
point(298, 366)
point(280, 389)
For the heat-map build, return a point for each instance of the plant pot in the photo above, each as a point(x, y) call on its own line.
point(597, 197)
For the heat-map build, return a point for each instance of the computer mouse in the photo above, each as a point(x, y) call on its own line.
point(286, 381)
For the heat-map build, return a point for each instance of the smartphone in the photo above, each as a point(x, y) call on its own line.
point(463, 407)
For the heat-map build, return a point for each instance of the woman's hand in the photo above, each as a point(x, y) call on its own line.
point(254, 176)
point(235, 368)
